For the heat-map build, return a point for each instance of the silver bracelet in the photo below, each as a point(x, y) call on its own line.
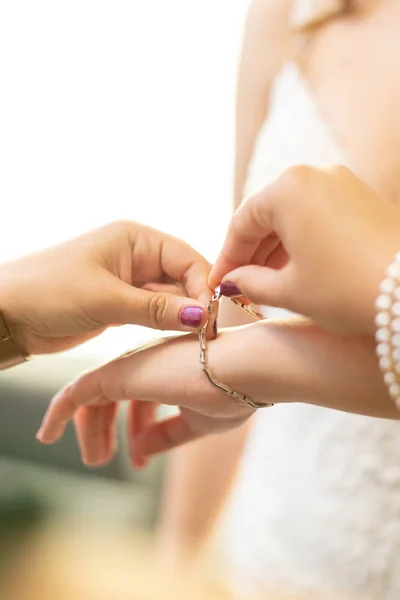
point(388, 329)
point(203, 355)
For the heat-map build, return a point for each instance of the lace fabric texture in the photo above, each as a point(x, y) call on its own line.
point(317, 499)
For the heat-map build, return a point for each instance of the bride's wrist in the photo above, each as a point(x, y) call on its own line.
point(238, 358)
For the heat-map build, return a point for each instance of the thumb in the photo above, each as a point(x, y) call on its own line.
point(135, 306)
point(261, 285)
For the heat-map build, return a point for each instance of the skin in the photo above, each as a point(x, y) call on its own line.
point(121, 273)
point(267, 258)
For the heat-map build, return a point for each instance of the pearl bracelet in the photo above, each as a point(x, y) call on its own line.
point(388, 329)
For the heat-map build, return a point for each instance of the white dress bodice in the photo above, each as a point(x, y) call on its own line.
point(317, 499)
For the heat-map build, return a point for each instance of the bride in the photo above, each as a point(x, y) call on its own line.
point(315, 503)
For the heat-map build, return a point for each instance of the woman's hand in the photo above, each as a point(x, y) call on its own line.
point(316, 242)
point(167, 372)
point(119, 274)
point(281, 361)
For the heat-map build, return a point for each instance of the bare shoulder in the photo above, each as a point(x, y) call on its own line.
point(270, 12)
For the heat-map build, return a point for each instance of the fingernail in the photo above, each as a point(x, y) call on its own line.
point(192, 316)
point(141, 463)
point(230, 289)
point(40, 438)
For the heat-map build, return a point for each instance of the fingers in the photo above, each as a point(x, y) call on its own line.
point(140, 374)
point(262, 285)
point(165, 435)
point(147, 293)
point(85, 390)
point(183, 264)
point(179, 290)
point(187, 427)
point(128, 377)
point(110, 419)
point(166, 288)
point(96, 432)
point(123, 304)
point(158, 257)
point(141, 416)
point(268, 214)
point(249, 227)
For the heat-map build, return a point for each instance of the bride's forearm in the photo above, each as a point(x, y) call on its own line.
point(293, 360)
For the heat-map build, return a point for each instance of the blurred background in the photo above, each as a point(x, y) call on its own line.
point(108, 110)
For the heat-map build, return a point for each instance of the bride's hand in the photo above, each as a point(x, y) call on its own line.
point(291, 360)
point(166, 373)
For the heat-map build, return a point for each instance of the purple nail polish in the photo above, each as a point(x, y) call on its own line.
point(192, 316)
point(229, 289)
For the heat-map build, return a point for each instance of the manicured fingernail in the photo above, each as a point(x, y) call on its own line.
point(230, 289)
point(192, 316)
point(141, 463)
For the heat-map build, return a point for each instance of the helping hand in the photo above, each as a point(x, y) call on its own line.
point(122, 273)
point(316, 242)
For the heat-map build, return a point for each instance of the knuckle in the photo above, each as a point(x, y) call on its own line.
point(299, 176)
point(120, 224)
point(257, 206)
point(340, 170)
point(113, 228)
point(69, 394)
point(121, 228)
point(158, 311)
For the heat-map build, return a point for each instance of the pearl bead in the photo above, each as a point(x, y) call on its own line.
point(383, 349)
point(394, 390)
point(387, 286)
point(382, 319)
point(383, 302)
point(394, 270)
point(389, 378)
point(385, 363)
point(387, 333)
point(383, 334)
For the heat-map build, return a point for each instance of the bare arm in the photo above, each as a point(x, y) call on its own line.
point(264, 49)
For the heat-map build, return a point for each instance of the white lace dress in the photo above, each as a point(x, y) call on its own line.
point(317, 500)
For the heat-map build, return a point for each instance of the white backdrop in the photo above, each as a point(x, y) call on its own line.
point(116, 109)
